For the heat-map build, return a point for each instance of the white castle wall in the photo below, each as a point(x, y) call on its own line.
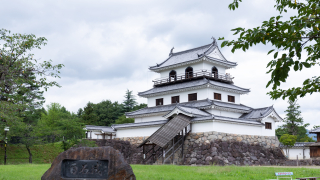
point(149, 118)
point(243, 129)
point(196, 67)
point(136, 132)
point(224, 113)
point(293, 153)
point(203, 93)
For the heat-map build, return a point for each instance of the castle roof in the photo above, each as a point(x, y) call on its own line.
point(195, 84)
point(209, 52)
point(260, 113)
point(317, 130)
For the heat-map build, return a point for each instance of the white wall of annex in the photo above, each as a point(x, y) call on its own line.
point(95, 135)
point(224, 113)
point(237, 128)
point(136, 132)
point(148, 118)
point(269, 132)
point(293, 153)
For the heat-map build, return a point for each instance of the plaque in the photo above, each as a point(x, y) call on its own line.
point(97, 169)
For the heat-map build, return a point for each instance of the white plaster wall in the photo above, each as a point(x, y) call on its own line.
point(149, 118)
point(196, 67)
point(201, 95)
point(208, 65)
point(229, 128)
point(202, 127)
point(293, 153)
point(224, 113)
point(236, 128)
point(95, 135)
point(136, 132)
point(269, 132)
point(224, 95)
point(181, 70)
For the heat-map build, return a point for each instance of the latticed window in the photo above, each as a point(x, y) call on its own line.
point(192, 97)
point(175, 99)
point(159, 102)
point(217, 96)
point(230, 98)
point(268, 125)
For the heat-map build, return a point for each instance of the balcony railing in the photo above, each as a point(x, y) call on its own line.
point(193, 75)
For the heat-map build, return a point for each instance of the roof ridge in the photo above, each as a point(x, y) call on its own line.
point(180, 52)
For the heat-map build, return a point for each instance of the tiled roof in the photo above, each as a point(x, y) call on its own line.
point(317, 130)
point(192, 84)
point(168, 131)
point(231, 105)
point(238, 120)
point(170, 107)
point(140, 124)
point(258, 113)
point(194, 111)
point(193, 54)
point(298, 145)
point(105, 129)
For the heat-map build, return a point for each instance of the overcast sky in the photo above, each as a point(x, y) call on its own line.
point(107, 46)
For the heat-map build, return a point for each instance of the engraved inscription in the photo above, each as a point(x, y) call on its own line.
point(84, 169)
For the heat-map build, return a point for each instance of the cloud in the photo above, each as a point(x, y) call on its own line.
point(107, 46)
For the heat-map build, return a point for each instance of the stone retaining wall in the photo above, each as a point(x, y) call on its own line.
point(215, 148)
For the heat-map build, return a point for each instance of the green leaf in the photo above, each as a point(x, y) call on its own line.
point(270, 51)
point(275, 55)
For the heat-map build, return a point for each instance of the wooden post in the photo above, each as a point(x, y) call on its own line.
point(297, 161)
point(163, 156)
point(173, 151)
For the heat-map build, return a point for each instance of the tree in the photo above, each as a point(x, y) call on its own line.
point(289, 40)
point(88, 115)
point(21, 75)
point(129, 101)
point(139, 106)
point(288, 141)
point(122, 120)
point(59, 124)
point(293, 124)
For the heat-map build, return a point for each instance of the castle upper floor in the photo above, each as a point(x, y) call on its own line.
point(204, 61)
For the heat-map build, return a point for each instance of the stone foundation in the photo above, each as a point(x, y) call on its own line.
point(215, 148)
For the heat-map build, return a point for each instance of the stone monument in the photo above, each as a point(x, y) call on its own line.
point(89, 163)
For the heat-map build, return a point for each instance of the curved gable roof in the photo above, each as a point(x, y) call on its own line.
point(209, 51)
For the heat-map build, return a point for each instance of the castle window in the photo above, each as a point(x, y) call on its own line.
point(192, 97)
point(214, 72)
point(159, 102)
point(189, 72)
point(217, 96)
point(172, 76)
point(230, 98)
point(268, 125)
point(175, 99)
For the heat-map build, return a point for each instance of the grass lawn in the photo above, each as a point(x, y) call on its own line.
point(18, 154)
point(164, 172)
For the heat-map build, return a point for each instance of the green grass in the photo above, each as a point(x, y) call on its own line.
point(18, 154)
point(169, 172)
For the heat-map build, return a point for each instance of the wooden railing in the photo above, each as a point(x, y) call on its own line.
point(193, 75)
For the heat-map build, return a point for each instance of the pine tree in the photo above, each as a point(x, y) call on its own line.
point(294, 124)
point(129, 102)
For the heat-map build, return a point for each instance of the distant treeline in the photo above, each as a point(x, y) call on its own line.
point(106, 112)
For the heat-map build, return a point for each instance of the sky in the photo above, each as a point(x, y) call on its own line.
point(107, 46)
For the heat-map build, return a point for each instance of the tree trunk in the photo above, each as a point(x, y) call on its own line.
point(30, 154)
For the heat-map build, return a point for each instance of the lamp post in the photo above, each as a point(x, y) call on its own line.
point(6, 129)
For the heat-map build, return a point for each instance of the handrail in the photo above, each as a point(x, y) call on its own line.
point(174, 150)
point(193, 74)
